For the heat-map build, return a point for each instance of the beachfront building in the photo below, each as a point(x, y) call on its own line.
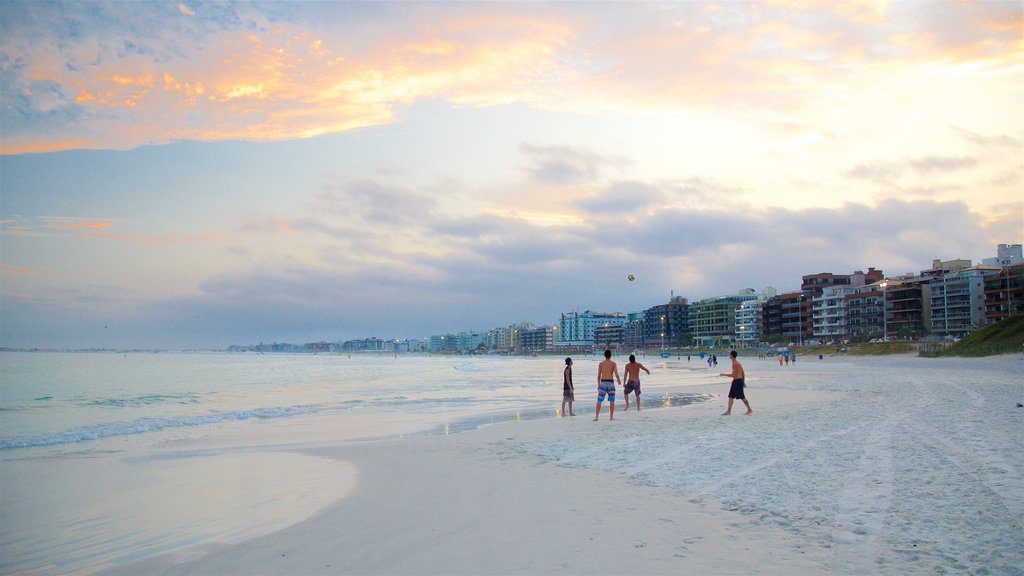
point(515, 336)
point(957, 300)
point(713, 320)
point(907, 307)
point(1006, 255)
point(943, 267)
point(578, 328)
point(865, 308)
point(461, 342)
point(498, 339)
point(829, 314)
point(827, 295)
point(787, 317)
point(609, 336)
point(367, 345)
point(749, 327)
point(665, 325)
point(443, 343)
point(536, 339)
point(1004, 293)
point(633, 331)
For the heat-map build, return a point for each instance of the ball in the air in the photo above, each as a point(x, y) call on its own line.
point(630, 277)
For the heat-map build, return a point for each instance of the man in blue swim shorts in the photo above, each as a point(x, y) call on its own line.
point(606, 370)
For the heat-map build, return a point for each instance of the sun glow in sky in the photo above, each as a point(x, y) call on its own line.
point(199, 174)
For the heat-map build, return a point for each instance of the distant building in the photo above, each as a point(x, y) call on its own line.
point(633, 331)
point(1006, 255)
point(578, 329)
point(958, 300)
point(827, 317)
point(749, 323)
point(664, 324)
point(609, 336)
point(829, 313)
point(536, 339)
point(713, 320)
point(907, 307)
point(443, 343)
point(1004, 293)
point(865, 310)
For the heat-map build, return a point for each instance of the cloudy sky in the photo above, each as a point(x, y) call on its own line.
point(199, 174)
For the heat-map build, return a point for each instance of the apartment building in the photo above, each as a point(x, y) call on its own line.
point(713, 320)
point(1006, 255)
point(907, 307)
point(865, 309)
point(749, 323)
point(665, 323)
point(957, 300)
point(536, 339)
point(577, 328)
point(1004, 293)
point(633, 331)
point(829, 313)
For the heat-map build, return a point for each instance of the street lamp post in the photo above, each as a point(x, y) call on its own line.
point(885, 315)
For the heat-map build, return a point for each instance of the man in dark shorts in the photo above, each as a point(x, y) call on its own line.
point(739, 378)
point(631, 374)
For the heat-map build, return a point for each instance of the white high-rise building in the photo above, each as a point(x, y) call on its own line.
point(577, 328)
point(957, 300)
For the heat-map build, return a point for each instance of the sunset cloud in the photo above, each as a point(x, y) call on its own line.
point(346, 169)
point(232, 72)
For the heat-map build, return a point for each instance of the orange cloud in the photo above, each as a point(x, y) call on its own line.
point(7, 269)
point(275, 80)
point(67, 223)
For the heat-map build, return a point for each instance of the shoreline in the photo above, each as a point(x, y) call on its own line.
point(891, 465)
point(476, 502)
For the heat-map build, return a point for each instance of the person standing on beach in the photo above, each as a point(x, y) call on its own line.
point(605, 385)
point(631, 374)
point(739, 378)
point(568, 391)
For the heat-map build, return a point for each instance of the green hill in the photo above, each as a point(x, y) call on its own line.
point(1003, 337)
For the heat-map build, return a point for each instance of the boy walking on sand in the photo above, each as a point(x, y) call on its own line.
point(605, 385)
point(568, 391)
point(631, 374)
point(739, 378)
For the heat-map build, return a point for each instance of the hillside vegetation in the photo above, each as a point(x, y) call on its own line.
point(1003, 337)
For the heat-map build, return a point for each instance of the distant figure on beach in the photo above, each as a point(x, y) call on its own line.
point(631, 374)
point(780, 358)
point(738, 383)
point(714, 359)
point(568, 391)
point(605, 385)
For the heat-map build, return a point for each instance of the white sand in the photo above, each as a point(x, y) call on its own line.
point(848, 466)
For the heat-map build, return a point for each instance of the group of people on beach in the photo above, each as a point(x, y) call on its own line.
point(608, 375)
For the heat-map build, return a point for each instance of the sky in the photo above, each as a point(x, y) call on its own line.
point(201, 174)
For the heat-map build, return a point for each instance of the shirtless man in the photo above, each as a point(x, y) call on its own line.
point(631, 374)
point(605, 385)
point(739, 378)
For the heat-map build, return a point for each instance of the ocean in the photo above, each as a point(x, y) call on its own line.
point(93, 445)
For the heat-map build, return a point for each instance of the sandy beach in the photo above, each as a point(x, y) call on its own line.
point(848, 466)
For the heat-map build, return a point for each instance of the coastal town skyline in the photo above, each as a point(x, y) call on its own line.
point(197, 174)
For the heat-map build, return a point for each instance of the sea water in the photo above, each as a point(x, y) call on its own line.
point(106, 458)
